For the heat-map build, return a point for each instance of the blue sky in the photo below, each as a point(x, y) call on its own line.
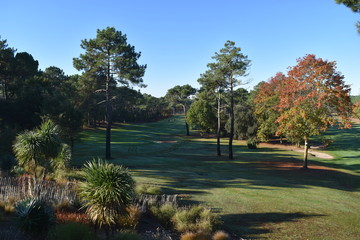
point(178, 38)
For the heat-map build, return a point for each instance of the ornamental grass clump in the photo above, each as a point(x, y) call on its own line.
point(195, 219)
point(164, 213)
point(106, 192)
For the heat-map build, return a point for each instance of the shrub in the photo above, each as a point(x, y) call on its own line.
point(131, 219)
point(195, 236)
point(127, 235)
point(150, 189)
point(34, 216)
point(106, 192)
point(221, 235)
point(195, 218)
point(164, 213)
point(252, 143)
point(72, 231)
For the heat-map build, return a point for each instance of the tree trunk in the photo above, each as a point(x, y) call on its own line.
point(108, 113)
point(306, 149)
point(88, 120)
point(218, 126)
point(231, 157)
point(72, 141)
point(186, 124)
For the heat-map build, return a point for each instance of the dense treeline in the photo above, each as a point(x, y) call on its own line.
point(295, 106)
point(28, 95)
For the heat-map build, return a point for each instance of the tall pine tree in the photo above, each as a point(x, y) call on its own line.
point(110, 57)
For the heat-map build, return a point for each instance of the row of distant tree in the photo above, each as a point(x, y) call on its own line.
point(28, 94)
point(303, 103)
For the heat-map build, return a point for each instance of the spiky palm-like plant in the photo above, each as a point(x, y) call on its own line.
point(42, 147)
point(34, 216)
point(107, 190)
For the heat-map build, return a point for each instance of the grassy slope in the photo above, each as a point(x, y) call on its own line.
point(259, 196)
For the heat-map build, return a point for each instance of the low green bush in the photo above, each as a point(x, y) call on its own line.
point(72, 231)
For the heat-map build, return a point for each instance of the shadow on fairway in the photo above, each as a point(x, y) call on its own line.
point(252, 224)
point(189, 169)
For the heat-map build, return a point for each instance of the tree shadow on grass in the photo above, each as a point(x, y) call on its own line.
point(252, 224)
point(191, 170)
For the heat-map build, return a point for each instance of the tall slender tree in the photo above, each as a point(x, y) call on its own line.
point(229, 67)
point(214, 85)
point(110, 57)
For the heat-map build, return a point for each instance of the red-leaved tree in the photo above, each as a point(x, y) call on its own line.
point(313, 98)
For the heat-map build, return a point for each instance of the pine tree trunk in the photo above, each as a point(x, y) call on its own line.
point(108, 114)
point(219, 126)
point(306, 149)
point(186, 124)
point(231, 157)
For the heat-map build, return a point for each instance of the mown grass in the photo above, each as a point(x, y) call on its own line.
point(261, 194)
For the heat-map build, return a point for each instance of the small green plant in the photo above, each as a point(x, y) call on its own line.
point(195, 218)
point(127, 235)
point(72, 231)
point(34, 216)
point(164, 213)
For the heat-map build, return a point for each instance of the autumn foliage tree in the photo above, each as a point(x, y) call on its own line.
point(266, 106)
point(312, 97)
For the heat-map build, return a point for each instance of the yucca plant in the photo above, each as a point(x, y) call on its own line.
point(42, 147)
point(106, 192)
point(34, 216)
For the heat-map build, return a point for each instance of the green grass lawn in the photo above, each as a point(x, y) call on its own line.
point(261, 194)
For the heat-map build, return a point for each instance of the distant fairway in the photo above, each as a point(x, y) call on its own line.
point(261, 194)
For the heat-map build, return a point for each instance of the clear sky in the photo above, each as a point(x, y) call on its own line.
point(177, 38)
